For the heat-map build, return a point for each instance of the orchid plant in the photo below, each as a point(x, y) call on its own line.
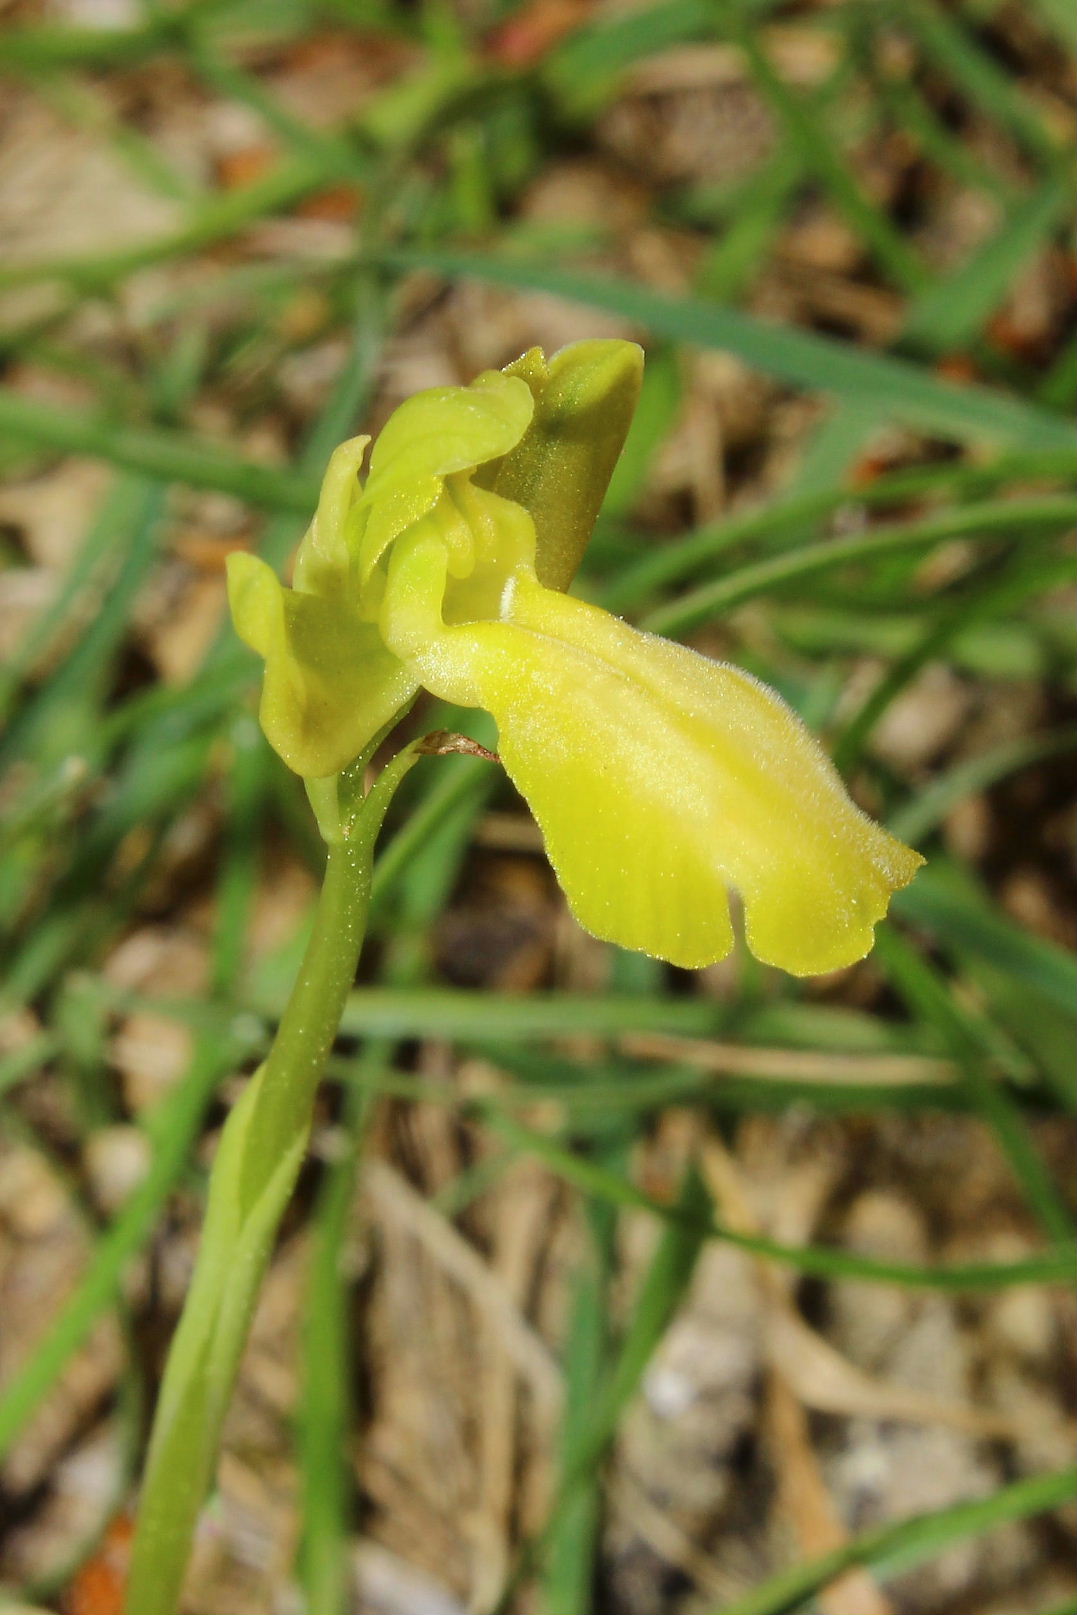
point(662, 782)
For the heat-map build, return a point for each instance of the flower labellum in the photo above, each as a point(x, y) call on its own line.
point(661, 780)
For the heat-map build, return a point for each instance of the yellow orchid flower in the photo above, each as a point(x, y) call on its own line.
point(662, 781)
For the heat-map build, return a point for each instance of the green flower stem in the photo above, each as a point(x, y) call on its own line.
point(262, 1147)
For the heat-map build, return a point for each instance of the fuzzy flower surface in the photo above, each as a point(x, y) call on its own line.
point(661, 780)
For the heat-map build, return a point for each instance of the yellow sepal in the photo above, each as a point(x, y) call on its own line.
point(585, 397)
point(330, 684)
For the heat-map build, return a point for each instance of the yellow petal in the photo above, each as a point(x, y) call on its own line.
point(431, 436)
point(330, 684)
point(322, 561)
point(661, 780)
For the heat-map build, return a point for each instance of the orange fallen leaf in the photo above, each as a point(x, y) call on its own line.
point(243, 166)
point(956, 367)
point(532, 31)
point(338, 204)
point(99, 1586)
point(867, 470)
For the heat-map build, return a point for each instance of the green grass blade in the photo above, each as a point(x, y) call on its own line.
point(217, 219)
point(926, 811)
point(176, 1129)
point(997, 593)
point(889, 388)
point(832, 448)
point(909, 1542)
point(572, 1534)
point(445, 1012)
point(62, 714)
point(790, 521)
point(807, 135)
point(925, 994)
point(92, 555)
point(1055, 1265)
point(26, 1061)
point(1009, 518)
point(1061, 18)
point(945, 900)
point(593, 1421)
point(954, 308)
point(155, 452)
point(737, 252)
point(664, 1287)
point(326, 1410)
point(584, 69)
point(334, 156)
point(944, 38)
point(659, 402)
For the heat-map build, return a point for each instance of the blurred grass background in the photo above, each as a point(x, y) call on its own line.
point(608, 1289)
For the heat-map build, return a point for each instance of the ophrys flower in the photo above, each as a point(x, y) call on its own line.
point(661, 780)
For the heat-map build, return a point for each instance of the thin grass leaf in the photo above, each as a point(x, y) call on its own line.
point(93, 552)
point(173, 1130)
point(807, 134)
point(591, 1104)
point(659, 403)
point(946, 901)
point(154, 452)
point(912, 112)
point(856, 1085)
point(444, 1012)
point(927, 810)
point(908, 1543)
point(1057, 389)
point(571, 1536)
point(583, 71)
point(176, 1130)
point(327, 1414)
point(945, 39)
point(56, 721)
point(335, 156)
point(954, 308)
point(925, 994)
point(791, 521)
point(1038, 645)
point(48, 46)
point(834, 446)
point(888, 388)
point(1053, 1266)
point(575, 1507)
point(81, 915)
point(1060, 18)
point(738, 251)
point(1028, 981)
point(27, 1061)
point(1025, 576)
point(91, 113)
point(217, 219)
point(1010, 518)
